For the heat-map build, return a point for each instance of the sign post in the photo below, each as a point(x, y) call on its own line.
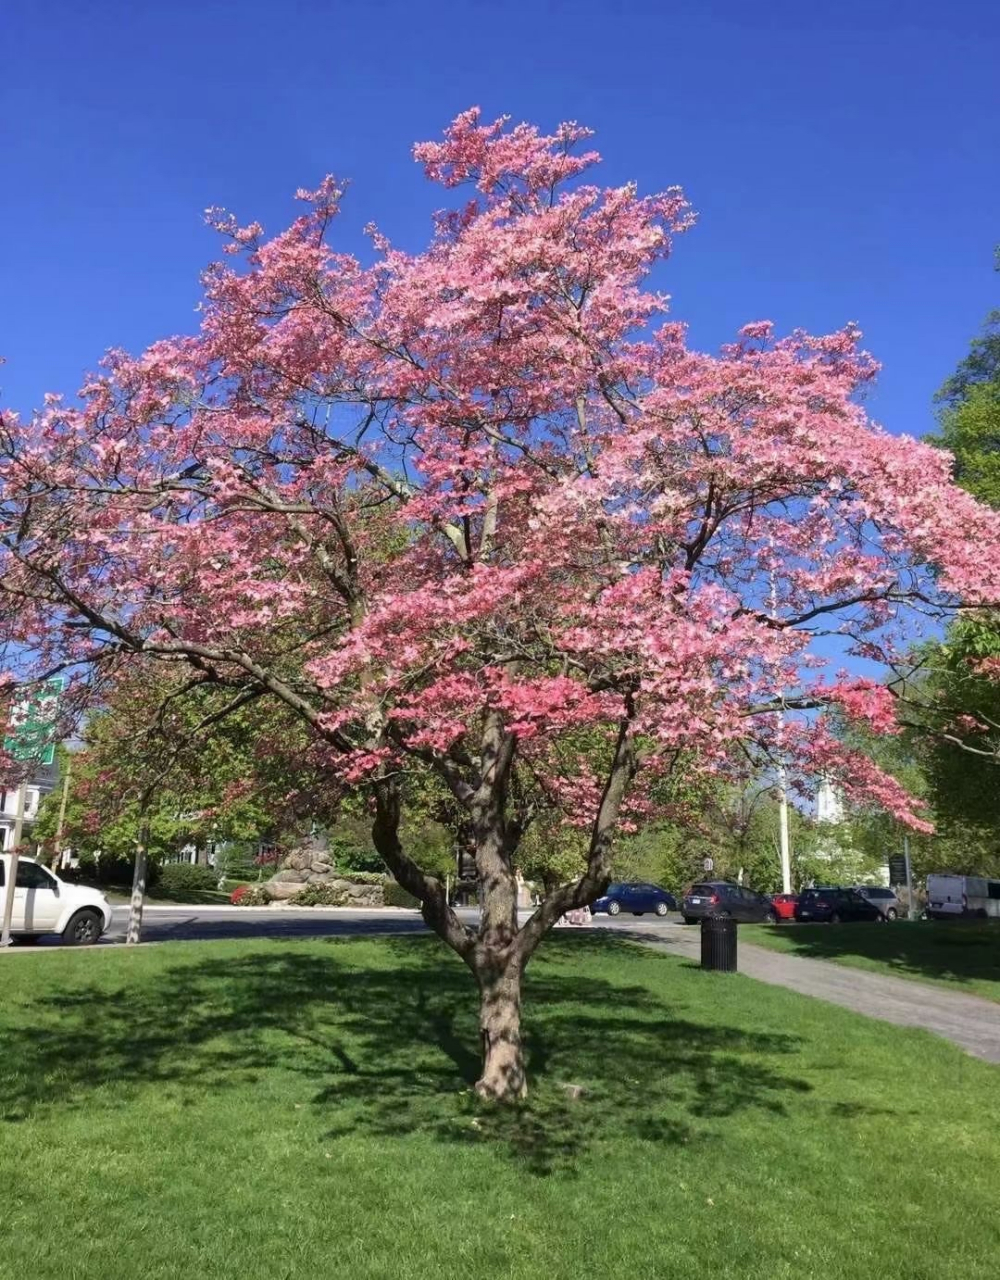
point(30, 739)
point(911, 906)
point(11, 883)
point(900, 873)
point(709, 864)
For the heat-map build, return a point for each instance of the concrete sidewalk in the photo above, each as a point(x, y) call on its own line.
point(968, 1021)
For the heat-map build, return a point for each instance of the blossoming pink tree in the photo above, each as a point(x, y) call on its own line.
point(481, 511)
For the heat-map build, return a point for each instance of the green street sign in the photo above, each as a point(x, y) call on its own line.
point(31, 732)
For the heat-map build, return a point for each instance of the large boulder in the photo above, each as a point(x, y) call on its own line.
point(311, 863)
point(282, 889)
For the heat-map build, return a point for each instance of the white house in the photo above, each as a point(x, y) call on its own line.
point(39, 785)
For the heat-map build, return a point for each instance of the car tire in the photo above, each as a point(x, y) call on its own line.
point(690, 920)
point(834, 918)
point(84, 929)
point(661, 909)
point(614, 908)
point(771, 917)
point(891, 914)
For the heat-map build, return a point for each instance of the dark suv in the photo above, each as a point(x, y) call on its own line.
point(833, 904)
point(721, 898)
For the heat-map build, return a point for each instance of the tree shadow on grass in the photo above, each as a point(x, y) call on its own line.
point(385, 1044)
point(958, 953)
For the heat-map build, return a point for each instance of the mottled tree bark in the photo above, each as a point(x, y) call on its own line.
point(503, 1077)
point(498, 952)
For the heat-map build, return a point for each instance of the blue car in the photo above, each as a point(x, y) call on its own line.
point(636, 899)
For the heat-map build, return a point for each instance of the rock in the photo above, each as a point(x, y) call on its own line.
point(317, 878)
point(321, 867)
point(282, 889)
point(290, 875)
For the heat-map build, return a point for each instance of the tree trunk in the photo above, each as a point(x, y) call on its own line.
point(503, 1078)
point(134, 932)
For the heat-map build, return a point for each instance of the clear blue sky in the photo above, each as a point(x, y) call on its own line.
point(844, 157)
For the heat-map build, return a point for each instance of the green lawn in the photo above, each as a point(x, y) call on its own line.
point(300, 1109)
point(953, 955)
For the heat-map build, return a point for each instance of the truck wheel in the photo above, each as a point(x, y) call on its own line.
point(84, 929)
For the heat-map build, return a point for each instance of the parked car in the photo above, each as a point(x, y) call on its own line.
point(721, 898)
point(884, 899)
point(45, 904)
point(635, 899)
point(784, 905)
point(833, 904)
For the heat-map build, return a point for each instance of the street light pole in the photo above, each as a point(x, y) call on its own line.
point(786, 860)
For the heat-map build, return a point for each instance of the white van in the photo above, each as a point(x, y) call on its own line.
point(45, 904)
point(951, 897)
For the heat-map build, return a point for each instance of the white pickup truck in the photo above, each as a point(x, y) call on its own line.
point(45, 904)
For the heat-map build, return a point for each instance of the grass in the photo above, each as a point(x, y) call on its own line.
point(964, 955)
point(301, 1109)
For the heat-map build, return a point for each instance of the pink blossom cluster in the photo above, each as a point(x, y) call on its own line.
point(490, 479)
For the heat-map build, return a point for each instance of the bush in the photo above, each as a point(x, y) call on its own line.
point(364, 877)
point(186, 877)
point(319, 895)
point(116, 869)
point(352, 852)
point(397, 896)
point(250, 895)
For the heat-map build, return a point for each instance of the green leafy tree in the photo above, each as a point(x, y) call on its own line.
point(959, 692)
point(157, 766)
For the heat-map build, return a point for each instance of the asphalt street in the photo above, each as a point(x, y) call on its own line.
point(194, 924)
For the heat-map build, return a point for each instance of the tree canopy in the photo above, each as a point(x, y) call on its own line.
point(455, 509)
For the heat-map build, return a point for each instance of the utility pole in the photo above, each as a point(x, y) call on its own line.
point(786, 861)
point(911, 909)
point(61, 820)
point(11, 885)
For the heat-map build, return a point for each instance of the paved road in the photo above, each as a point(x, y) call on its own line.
point(202, 924)
point(968, 1021)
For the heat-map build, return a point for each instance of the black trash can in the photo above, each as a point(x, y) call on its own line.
point(718, 943)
